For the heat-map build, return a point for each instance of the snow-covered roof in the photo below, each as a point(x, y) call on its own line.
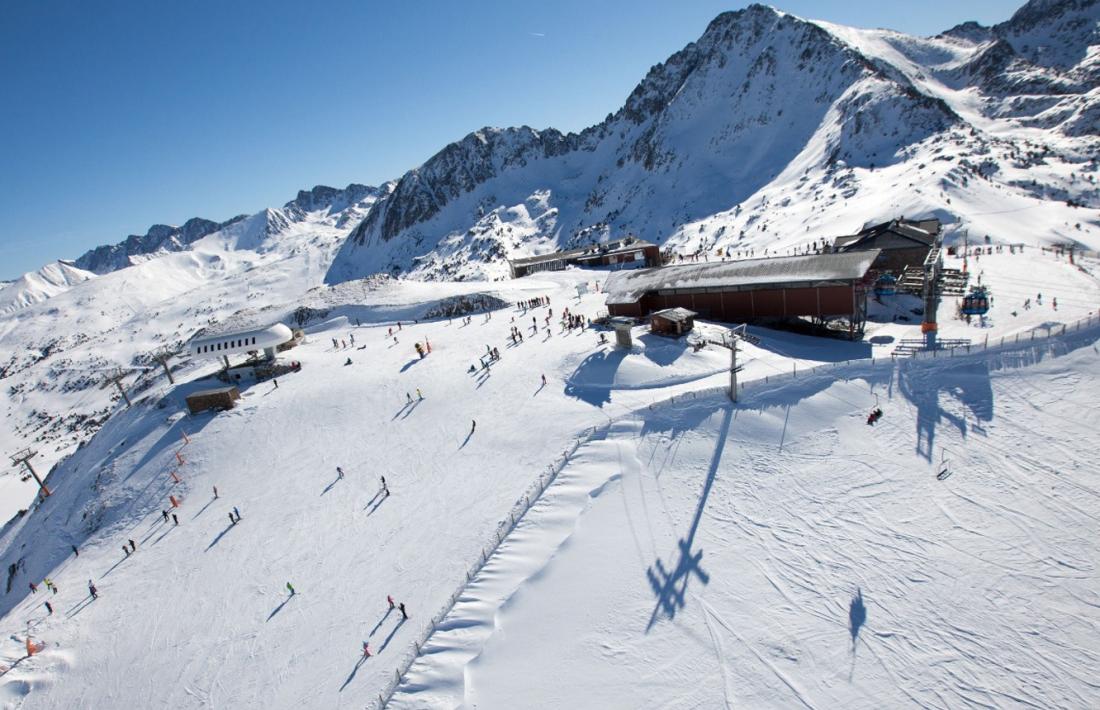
point(674, 314)
point(615, 247)
point(630, 286)
point(923, 232)
point(226, 342)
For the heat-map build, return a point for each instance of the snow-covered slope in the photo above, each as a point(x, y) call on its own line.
point(200, 613)
point(781, 553)
point(37, 286)
point(769, 132)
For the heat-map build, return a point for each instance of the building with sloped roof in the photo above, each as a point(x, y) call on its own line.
point(900, 242)
point(626, 252)
point(821, 287)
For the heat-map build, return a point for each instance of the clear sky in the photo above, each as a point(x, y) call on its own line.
point(117, 115)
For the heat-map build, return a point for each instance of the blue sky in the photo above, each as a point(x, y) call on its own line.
point(117, 115)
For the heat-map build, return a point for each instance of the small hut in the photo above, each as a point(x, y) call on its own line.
point(672, 321)
point(216, 398)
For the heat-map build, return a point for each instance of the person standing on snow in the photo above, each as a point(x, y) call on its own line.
point(401, 607)
point(339, 472)
point(92, 590)
point(49, 608)
point(215, 491)
point(232, 520)
point(473, 426)
point(390, 600)
point(237, 513)
point(366, 649)
point(34, 590)
point(291, 589)
point(418, 394)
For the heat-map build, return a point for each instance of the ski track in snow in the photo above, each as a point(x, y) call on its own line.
point(974, 573)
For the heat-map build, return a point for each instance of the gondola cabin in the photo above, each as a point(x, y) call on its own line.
point(976, 303)
point(886, 285)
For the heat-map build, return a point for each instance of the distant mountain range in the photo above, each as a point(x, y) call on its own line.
point(763, 112)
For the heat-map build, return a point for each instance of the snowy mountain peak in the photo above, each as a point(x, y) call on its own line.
point(161, 238)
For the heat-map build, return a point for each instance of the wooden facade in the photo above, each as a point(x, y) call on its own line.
point(672, 321)
point(219, 398)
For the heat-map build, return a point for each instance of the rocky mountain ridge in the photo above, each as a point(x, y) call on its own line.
point(705, 137)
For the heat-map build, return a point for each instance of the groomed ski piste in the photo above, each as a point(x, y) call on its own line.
point(687, 552)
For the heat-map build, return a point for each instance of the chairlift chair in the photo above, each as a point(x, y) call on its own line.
point(944, 471)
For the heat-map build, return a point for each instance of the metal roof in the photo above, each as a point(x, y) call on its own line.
point(630, 286)
point(592, 250)
point(674, 314)
point(228, 389)
point(914, 231)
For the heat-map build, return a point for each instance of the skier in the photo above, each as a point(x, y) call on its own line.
point(383, 481)
point(232, 520)
point(92, 590)
point(344, 344)
point(339, 473)
point(366, 649)
point(419, 396)
point(164, 514)
point(348, 362)
point(215, 491)
point(473, 426)
point(335, 344)
point(352, 337)
point(175, 520)
point(133, 546)
point(34, 590)
point(401, 607)
point(544, 380)
point(75, 551)
point(408, 398)
point(276, 382)
point(290, 588)
point(49, 607)
point(126, 550)
point(236, 512)
point(390, 600)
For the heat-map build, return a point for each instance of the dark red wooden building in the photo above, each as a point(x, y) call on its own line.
point(821, 287)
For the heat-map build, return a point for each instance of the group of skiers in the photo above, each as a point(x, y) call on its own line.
point(534, 302)
point(341, 344)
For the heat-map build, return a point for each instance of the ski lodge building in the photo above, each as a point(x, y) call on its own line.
point(225, 341)
point(822, 287)
point(902, 243)
point(627, 252)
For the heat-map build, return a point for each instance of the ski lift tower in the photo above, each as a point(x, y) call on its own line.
point(933, 275)
point(163, 355)
point(24, 457)
point(115, 377)
point(729, 340)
